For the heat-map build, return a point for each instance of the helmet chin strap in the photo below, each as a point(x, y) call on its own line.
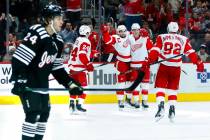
point(52, 27)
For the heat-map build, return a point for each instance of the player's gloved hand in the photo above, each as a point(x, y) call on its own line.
point(133, 75)
point(94, 54)
point(200, 66)
point(19, 84)
point(75, 88)
point(143, 32)
point(90, 67)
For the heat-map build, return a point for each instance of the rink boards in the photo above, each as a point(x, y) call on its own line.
point(193, 86)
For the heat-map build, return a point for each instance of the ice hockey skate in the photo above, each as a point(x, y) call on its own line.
point(171, 114)
point(121, 105)
point(161, 111)
point(144, 104)
point(79, 107)
point(128, 102)
point(72, 106)
point(136, 105)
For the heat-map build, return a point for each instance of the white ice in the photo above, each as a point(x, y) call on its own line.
point(106, 122)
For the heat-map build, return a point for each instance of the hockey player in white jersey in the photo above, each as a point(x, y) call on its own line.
point(139, 53)
point(79, 65)
point(168, 74)
point(122, 43)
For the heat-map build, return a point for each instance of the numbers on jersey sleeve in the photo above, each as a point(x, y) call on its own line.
point(31, 38)
point(170, 48)
point(74, 54)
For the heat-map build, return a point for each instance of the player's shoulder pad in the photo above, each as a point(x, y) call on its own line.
point(39, 30)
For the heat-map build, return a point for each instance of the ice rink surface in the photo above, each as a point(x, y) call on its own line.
point(106, 122)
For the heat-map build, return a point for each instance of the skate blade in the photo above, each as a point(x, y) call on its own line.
point(157, 119)
point(145, 109)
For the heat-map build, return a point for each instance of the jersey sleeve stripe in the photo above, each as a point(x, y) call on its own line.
point(20, 59)
point(23, 54)
point(35, 26)
point(44, 36)
point(189, 52)
point(42, 32)
point(28, 50)
point(40, 29)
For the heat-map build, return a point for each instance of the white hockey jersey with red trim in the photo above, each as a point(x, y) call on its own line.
point(139, 51)
point(81, 46)
point(169, 45)
point(122, 46)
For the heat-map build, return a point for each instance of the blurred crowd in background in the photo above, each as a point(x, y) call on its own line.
point(193, 17)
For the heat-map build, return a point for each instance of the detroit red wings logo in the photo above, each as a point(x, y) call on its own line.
point(126, 43)
point(136, 47)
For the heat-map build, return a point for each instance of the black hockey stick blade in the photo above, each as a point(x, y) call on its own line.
point(132, 87)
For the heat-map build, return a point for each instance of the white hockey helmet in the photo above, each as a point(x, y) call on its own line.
point(173, 27)
point(84, 30)
point(121, 28)
point(135, 26)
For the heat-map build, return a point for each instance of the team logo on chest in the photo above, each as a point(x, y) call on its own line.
point(136, 47)
point(47, 59)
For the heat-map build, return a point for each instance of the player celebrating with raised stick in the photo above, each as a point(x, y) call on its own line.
point(168, 75)
point(36, 57)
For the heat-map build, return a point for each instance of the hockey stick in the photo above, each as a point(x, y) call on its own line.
point(130, 88)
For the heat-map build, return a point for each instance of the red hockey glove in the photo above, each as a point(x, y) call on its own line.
point(144, 32)
point(89, 67)
point(94, 54)
point(200, 66)
point(133, 75)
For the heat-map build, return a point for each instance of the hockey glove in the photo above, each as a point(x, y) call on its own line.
point(19, 85)
point(89, 67)
point(200, 66)
point(75, 88)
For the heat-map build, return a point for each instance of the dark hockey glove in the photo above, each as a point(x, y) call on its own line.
point(19, 84)
point(75, 88)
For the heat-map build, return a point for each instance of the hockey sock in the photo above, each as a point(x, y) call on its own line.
point(135, 96)
point(160, 96)
point(28, 131)
point(172, 99)
point(40, 130)
point(144, 93)
point(128, 94)
point(120, 95)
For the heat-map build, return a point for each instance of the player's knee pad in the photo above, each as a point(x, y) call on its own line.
point(31, 117)
point(44, 116)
